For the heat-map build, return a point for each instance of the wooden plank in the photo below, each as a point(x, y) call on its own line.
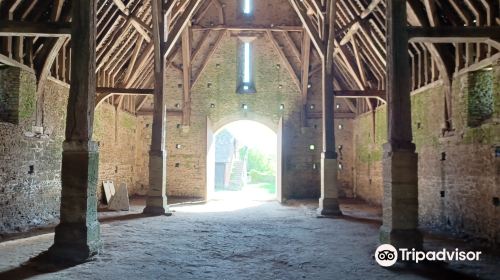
point(141, 104)
point(432, 15)
point(370, 8)
point(453, 34)
point(368, 93)
point(9, 61)
point(292, 44)
point(197, 51)
point(32, 29)
point(170, 113)
point(306, 57)
point(133, 59)
point(308, 25)
point(249, 27)
point(179, 26)
point(121, 6)
point(124, 91)
point(186, 74)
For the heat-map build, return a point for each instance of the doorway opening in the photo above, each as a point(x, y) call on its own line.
point(243, 162)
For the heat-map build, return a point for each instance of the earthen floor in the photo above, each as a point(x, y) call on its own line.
point(239, 240)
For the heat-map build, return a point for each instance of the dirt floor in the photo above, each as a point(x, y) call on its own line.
point(240, 239)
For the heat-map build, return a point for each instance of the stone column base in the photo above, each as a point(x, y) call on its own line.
point(77, 237)
point(156, 202)
point(401, 238)
point(74, 244)
point(329, 207)
point(400, 202)
point(157, 206)
point(329, 203)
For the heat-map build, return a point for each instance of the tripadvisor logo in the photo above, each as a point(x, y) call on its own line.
point(387, 255)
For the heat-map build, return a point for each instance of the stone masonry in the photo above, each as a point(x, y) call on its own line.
point(455, 168)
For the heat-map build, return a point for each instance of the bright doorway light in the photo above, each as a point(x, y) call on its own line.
point(245, 162)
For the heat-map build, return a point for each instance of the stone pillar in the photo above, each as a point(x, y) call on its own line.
point(400, 163)
point(328, 203)
point(77, 237)
point(156, 202)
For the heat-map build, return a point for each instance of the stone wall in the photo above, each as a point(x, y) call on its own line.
point(30, 164)
point(214, 98)
point(118, 138)
point(17, 101)
point(458, 171)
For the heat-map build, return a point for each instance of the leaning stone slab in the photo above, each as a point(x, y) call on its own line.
point(120, 201)
point(109, 190)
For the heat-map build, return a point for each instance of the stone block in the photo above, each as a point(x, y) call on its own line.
point(120, 200)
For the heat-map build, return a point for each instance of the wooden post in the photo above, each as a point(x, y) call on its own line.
point(400, 163)
point(186, 71)
point(328, 203)
point(77, 237)
point(156, 202)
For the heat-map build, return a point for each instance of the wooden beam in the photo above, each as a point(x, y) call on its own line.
point(208, 57)
point(453, 34)
point(124, 91)
point(133, 59)
point(306, 57)
point(319, 115)
point(350, 33)
point(140, 28)
point(179, 26)
point(292, 44)
point(142, 103)
point(199, 47)
point(11, 62)
point(370, 8)
point(186, 73)
point(306, 62)
point(284, 58)
point(121, 6)
point(170, 113)
point(432, 15)
point(368, 93)
point(251, 27)
point(55, 46)
point(308, 25)
point(32, 29)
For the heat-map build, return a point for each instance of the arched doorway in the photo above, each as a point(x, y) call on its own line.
point(244, 160)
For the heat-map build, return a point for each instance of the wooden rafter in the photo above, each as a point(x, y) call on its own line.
point(284, 58)
point(208, 57)
point(38, 29)
point(179, 26)
point(186, 73)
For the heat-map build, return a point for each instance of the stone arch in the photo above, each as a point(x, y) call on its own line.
point(215, 127)
point(248, 116)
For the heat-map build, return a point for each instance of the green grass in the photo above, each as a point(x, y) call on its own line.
point(269, 187)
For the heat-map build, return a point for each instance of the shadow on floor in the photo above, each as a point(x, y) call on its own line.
point(431, 270)
point(362, 220)
point(38, 265)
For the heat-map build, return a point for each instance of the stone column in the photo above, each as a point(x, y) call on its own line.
point(156, 202)
point(328, 203)
point(77, 237)
point(400, 163)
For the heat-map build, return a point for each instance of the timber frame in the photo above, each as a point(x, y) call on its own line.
point(35, 35)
